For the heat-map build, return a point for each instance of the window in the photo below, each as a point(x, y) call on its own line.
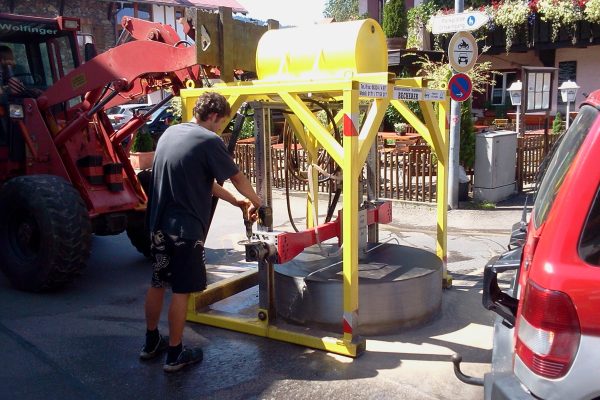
point(502, 81)
point(143, 11)
point(561, 162)
point(567, 71)
point(589, 245)
point(63, 48)
point(126, 9)
point(538, 90)
point(45, 55)
point(21, 67)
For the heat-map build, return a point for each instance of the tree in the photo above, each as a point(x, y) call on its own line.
point(467, 135)
point(341, 10)
point(394, 19)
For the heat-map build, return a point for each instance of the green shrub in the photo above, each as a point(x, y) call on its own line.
point(557, 125)
point(247, 128)
point(394, 19)
point(467, 135)
point(142, 143)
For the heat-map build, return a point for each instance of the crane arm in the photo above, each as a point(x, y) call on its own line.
point(148, 60)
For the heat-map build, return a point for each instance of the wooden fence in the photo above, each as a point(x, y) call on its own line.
point(408, 174)
point(405, 173)
point(531, 150)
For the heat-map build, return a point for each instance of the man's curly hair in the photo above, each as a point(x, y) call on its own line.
point(211, 102)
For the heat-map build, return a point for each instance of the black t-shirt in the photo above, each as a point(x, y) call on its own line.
point(187, 161)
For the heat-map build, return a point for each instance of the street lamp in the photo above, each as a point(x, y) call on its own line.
point(568, 93)
point(515, 91)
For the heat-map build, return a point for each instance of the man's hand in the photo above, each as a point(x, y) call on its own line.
point(248, 209)
point(15, 86)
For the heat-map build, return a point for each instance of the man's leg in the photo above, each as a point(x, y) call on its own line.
point(153, 307)
point(155, 344)
point(179, 356)
point(177, 315)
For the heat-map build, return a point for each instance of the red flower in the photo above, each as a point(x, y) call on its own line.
point(533, 5)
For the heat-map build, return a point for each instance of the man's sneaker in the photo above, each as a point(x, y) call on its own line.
point(186, 357)
point(148, 353)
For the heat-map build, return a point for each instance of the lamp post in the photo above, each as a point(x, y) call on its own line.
point(568, 93)
point(515, 91)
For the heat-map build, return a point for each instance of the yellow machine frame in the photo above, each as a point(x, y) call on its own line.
point(350, 156)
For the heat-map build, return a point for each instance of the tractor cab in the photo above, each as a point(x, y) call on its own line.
point(37, 52)
point(44, 49)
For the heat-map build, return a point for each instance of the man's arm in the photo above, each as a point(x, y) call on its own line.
point(224, 194)
point(248, 208)
point(243, 185)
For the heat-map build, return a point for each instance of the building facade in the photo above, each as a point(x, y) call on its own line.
point(101, 19)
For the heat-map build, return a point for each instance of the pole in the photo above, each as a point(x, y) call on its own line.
point(568, 113)
point(454, 138)
point(518, 127)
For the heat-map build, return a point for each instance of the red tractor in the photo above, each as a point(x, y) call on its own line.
point(64, 171)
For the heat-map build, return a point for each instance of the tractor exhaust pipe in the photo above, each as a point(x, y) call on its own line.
point(456, 360)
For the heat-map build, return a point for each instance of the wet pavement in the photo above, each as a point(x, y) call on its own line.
point(83, 342)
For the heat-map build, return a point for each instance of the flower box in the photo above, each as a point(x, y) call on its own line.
point(141, 160)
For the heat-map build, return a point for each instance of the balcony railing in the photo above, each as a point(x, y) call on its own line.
point(539, 36)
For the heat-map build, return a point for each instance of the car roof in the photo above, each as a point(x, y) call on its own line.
point(130, 106)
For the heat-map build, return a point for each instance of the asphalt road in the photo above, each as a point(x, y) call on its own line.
point(83, 342)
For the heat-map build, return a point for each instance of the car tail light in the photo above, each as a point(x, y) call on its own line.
point(548, 331)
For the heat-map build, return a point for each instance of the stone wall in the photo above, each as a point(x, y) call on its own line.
point(92, 13)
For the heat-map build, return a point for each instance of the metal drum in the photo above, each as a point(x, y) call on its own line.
point(336, 50)
point(399, 287)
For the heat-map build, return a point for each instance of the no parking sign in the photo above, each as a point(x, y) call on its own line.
point(460, 87)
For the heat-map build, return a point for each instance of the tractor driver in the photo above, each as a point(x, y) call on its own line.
point(8, 83)
point(189, 158)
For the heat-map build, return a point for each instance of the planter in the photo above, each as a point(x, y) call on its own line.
point(141, 160)
point(397, 43)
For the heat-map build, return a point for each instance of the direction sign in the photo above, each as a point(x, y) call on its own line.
point(434, 95)
point(451, 23)
point(417, 94)
point(460, 87)
point(462, 51)
point(373, 90)
point(408, 94)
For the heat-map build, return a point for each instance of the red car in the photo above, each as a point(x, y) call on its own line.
point(547, 334)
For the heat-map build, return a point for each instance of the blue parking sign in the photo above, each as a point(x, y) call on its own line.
point(460, 87)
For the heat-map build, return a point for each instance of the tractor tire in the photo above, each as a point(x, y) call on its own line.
point(137, 231)
point(45, 232)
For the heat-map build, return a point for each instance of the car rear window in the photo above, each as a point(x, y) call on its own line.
point(561, 161)
point(589, 245)
point(114, 110)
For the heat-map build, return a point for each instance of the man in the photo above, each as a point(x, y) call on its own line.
point(189, 158)
point(8, 83)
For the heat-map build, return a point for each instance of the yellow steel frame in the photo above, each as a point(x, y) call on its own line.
point(433, 131)
point(350, 155)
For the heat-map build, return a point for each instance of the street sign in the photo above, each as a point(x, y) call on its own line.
point(460, 87)
point(462, 51)
point(451, 23)
point(434, 95)
point(373, 90)
point(417, 94)
point(408, 94)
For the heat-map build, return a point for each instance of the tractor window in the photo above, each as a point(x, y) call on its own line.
point(21, 69)
point(589, 245)
point(66, 55)
point(48, 76)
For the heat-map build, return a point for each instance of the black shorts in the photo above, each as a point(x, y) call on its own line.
point(178, 263)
